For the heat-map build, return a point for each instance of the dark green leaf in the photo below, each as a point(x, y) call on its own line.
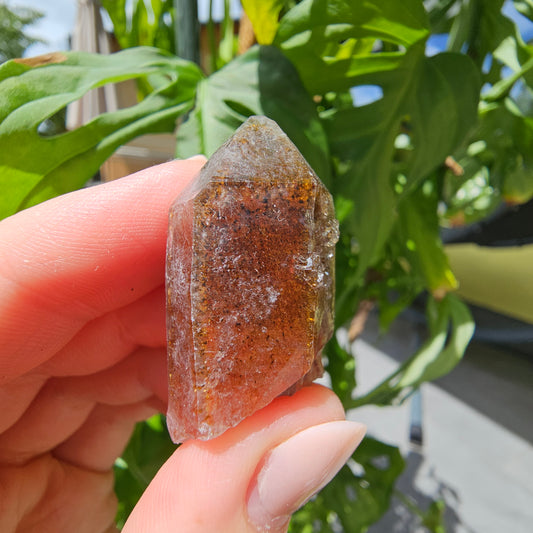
point(320, 36)
point(434, 109)
point(479, 28)
point(341, 368)
point(419, 232)
point(260, 82)
point(510, 137)
point(149, 447)
point(440, 14)
point(34, 167)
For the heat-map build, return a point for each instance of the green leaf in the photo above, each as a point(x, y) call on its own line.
point(264, 16)
point(352, 502)
point(148, 448)
point(432, 102)
point(116, 9)
point(478, 28)
point(226, 48)
point(517, 56)
point(470, 198)
point(419, 232)
point(341, 368)
point(314, 34)
point(451, 328)
point(498, 162)
point(34, 168)
point(142, 23)
point(439, 15)
point(525, 7)
point(516, 169)
point(490, 38)
point(433, 518)
point(347, 280)
point(14, 38)
point(260, 82)
point(503, 87)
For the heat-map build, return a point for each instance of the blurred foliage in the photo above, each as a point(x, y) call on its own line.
point(36, 166)
point(149, 447)
point(14, 40)
point(143, 22)
point(444, 140)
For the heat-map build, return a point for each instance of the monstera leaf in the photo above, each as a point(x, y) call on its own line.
point(260, 82)
point(35, 167)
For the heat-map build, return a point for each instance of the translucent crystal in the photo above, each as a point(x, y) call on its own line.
point(250, 268)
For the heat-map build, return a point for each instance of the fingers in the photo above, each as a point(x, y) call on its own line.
point(108, 339)
point(79, 256)
point(16, 396)
point(47, 496)
point(254, 476)
point(55, 414)
point(140, 376)
point(103, 436)
point(77, 409)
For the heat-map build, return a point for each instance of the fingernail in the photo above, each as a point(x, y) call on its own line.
point(297, 469)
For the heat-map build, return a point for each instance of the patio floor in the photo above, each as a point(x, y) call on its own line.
point(477, 450)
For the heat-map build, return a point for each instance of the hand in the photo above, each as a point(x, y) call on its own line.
point(83, 358)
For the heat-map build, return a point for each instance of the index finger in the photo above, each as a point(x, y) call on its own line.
point(79, 256)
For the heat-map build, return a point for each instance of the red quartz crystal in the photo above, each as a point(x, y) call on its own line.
point(250, 282)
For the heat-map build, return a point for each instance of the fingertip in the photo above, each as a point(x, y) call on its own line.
point(294, 471)
point(204, 486)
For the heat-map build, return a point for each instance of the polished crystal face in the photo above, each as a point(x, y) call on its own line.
point(250, 282)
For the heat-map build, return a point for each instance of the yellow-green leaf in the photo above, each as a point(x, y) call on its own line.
point(418, 225)
point(264, 16)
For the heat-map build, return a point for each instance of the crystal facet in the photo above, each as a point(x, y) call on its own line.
point(250, 266)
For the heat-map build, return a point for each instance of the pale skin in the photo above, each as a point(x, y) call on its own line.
point(83, 358)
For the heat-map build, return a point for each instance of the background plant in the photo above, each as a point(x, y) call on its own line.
point(447, 139)
point(14, 38)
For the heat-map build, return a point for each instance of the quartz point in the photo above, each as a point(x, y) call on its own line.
point(249, 281)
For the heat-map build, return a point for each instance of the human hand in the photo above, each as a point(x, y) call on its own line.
point(83, 358)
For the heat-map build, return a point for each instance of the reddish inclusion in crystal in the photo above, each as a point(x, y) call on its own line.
point(249, 282)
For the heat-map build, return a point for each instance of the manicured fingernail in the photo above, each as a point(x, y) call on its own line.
point(197, 156)
point(297, 469)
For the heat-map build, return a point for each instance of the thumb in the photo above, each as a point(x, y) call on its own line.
point(254, 476)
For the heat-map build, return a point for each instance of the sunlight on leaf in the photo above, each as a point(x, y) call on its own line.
point(263, 15)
